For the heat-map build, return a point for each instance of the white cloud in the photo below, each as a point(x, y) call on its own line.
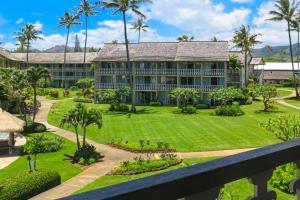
point(38, 26)
point(107, 31)
point(241, 1)
point(203, 19)
point(2, 20)
point(20, 20)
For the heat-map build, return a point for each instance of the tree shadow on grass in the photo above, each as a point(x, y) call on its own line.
point(268, 112)
point(143, 111)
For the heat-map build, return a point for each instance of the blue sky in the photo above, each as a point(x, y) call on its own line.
point(167, 20)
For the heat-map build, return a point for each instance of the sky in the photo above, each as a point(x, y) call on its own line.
point(167, 20)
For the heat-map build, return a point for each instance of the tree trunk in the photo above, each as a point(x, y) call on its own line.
point(139, 36)
point(65, 59)
point(27, 54)
point(77, 138)
point(133, 109)
point(292, 59)
point(83, 142)
point(246, 78)
point(34, 104)
point(85, 43)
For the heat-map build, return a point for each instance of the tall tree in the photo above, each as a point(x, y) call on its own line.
point(139, 25)
point(87, 9)
point(185, 38)
point(122, 7)
point(21, 44)
point(35, 75)
point(30, 33)
point(269, 48)
point(286, 11)
point(67, 21)
point(282, 54)
point(77, 44)
point(215, 39)
point(244, 40)
point(296, 27)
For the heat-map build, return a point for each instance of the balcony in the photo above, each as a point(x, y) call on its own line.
point(190, 72)
point(105, 86)
point(145, 72)
point(213, 72)
point(110, 71)
point(145, 87)
point(166, 87)
point(204, 181)
point(170, 72)
point(210, 88)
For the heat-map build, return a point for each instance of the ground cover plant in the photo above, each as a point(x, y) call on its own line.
point(201, 132)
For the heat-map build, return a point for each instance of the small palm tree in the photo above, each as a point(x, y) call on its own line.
point(35, 75)
point(87, 9)
point(67, 21)
point(215, 39)
point(139, 26)
point(22, 43)
point(185, 38)
point(29, 33)
point(122, 7)
point(286, 11)
point(244, 40)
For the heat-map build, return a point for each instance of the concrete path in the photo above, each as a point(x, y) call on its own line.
point(112, 158)
point(283, 102)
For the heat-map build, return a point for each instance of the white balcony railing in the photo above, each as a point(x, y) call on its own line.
point(210, 88)
point(190, 72)
point(104, 86)
point(110, 71)
point(145, 87)
point(213, 72)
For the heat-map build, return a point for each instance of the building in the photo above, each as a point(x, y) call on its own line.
point(275, 73)
point(158, 68)
point(155, 68)
point(75, 68)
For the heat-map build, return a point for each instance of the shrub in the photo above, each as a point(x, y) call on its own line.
point(86, 155)
point(66, 92)
point(236, 103)
point(249, 101)
point(189, 110)
point(141, 165)
point(82, 100)
point(54, 93)
point(200, 106)
point(43, 92)
point(233, 110)
point(35, 128)
point(119, 107)
point(155, 103)
point(283, 176)
point(28, 184)
point(73, 88)
point(47, 144)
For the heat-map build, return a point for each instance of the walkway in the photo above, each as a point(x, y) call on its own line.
point(283, 102)
point(112, 158)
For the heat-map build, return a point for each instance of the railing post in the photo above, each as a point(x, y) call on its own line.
point(211, 194)
point(260, 182)
point(295, 184)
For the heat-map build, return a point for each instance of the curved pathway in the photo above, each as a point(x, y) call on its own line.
point(112, 158)
point(283, 102)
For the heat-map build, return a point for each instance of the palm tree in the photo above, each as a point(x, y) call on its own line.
point(29, 33)
point(269, 48)
point(282, 54)
point(139, 25)
point(35, 75)
point(215, 39)
point(22, 43)
point(296, 27)
point(244, 40)
point(87, 9)
point(123, 6)
point(286, 11)
point(67, 21)
point(185, 38)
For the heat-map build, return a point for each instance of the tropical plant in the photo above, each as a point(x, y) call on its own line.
point(185, 38)
point(282, 54)
point(87, 9)
point(286, 11)
point(226, 96)
point(139, 25)
point(267, 93)
point(122, 7)
point(296, 27)
point(29, 33)
point(77, 47)
point(67, 21)
point(215, 39)
point(244, 40)
point(35, 75)
point(269, 48)
point(253, 90)
point(21, 44)
point(184, 96)
point(34, 146)
point(235, 63)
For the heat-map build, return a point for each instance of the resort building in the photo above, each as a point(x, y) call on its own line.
point(155, 68)
point(276, 73)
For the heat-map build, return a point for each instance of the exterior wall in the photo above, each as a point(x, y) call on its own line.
point(71, 74)
point(4, 62)
point(158, 79)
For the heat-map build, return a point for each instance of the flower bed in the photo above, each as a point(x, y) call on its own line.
point(140, 165)
point(144, 146)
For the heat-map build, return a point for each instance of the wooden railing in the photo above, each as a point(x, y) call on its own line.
point(204, 181)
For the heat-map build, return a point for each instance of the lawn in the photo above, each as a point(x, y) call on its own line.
point(54, 161)
point(283, 92)
point(240, 189)
point(293, 101)
point(200, 132)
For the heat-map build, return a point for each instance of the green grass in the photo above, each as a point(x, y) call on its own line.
point(240, 189)
point(283, 92)
point(293, 101)
point(199, 132)
point(55, 161)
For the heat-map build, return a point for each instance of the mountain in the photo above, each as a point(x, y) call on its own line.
point(61, 49)
point(276, 51)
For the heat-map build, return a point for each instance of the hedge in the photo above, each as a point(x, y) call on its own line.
point(28, 184)
point(35, 128)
